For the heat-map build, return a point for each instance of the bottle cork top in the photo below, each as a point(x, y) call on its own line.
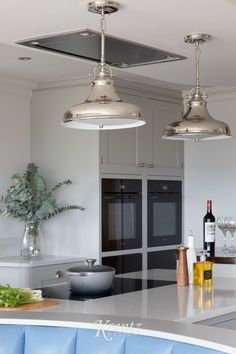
point(203, 255)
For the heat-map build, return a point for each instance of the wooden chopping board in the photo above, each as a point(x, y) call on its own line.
point(36, 306)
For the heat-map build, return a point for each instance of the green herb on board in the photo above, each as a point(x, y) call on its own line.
point(11, 297)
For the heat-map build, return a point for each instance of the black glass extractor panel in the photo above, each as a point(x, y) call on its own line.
point(121, 286)
point(85, 44)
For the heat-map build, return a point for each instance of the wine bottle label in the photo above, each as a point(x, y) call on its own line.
point(210, 228)
point(207, 274)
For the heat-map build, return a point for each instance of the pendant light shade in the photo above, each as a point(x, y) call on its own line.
point(103, 109)
point(197, 124)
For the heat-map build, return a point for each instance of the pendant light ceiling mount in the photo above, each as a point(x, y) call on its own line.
point(197, 38)
point(103, 6)
point(103, 109)
point(197, 124)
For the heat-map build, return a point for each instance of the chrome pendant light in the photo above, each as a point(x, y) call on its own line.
point(197, 124)
point(103, 109)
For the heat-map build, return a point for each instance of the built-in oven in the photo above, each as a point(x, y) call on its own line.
point(121, 214)
point(164, 212)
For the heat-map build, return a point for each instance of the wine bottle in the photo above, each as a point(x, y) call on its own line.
point(209, 227)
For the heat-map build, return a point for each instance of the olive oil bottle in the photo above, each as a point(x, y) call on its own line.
point(202, 271)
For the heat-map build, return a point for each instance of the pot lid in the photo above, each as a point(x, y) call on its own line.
point(90, 267)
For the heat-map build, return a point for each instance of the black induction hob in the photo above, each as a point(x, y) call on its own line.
point(121, 286)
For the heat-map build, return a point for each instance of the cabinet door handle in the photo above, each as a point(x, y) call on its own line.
point(141, 164)
point(59, 274)
point(150, 165)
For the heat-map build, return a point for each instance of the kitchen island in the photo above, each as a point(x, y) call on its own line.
point(167, 312)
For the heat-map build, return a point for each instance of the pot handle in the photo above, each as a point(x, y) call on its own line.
point(91, 261)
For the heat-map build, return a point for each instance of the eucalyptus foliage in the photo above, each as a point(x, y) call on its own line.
point(29, 200)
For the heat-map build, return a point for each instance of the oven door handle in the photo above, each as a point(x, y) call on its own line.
point(123, 197)
point(121, 194)
point(153, 197)
point(111, 197)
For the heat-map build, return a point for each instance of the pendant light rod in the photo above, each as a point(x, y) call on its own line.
point(103, 8)
point(197, 39)
point(103, 109)
point(197, 61)
point(103, 29)
point(102, 69)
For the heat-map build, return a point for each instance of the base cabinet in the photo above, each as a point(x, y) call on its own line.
point(35, 273)
point(49, 275)
point(15, 277)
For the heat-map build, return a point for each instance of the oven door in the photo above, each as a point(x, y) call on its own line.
point(121, 221)
point(164, 219)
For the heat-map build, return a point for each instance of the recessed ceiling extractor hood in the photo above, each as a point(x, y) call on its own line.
point(85, 44)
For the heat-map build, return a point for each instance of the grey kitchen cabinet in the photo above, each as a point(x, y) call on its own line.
point(36, 272)
point(119, 147)
point(142, 150)
point(167, 154)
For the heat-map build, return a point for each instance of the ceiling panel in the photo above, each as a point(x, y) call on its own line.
point(155, 23)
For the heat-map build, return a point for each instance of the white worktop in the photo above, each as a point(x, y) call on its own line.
point(185, 304)
point(169, 311)
point(16, 261)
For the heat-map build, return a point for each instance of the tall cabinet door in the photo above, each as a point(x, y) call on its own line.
point(119, 147)
point(144, 138)
point(142, 150)
point(165, 153)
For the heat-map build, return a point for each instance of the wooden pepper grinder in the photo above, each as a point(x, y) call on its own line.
point(182, 277)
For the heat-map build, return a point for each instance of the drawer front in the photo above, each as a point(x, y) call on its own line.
point(47, 275)
point(15, 277)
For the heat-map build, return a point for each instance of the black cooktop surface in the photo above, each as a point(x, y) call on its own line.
point(121, 286)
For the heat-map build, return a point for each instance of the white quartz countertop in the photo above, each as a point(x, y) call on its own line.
point(170, 310)
point(16, 262)
point(184, 304)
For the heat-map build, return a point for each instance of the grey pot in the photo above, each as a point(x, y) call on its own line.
point(90, 278)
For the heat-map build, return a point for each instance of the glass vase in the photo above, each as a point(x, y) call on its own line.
point(30, 247)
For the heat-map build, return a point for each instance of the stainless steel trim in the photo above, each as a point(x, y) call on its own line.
point(98, 6)
point(197, 37)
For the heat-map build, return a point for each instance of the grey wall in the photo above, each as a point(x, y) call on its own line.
point(210, 171)
point(67, 153)
point(14, 153)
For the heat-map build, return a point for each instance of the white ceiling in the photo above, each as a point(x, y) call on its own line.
point(157, 23)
